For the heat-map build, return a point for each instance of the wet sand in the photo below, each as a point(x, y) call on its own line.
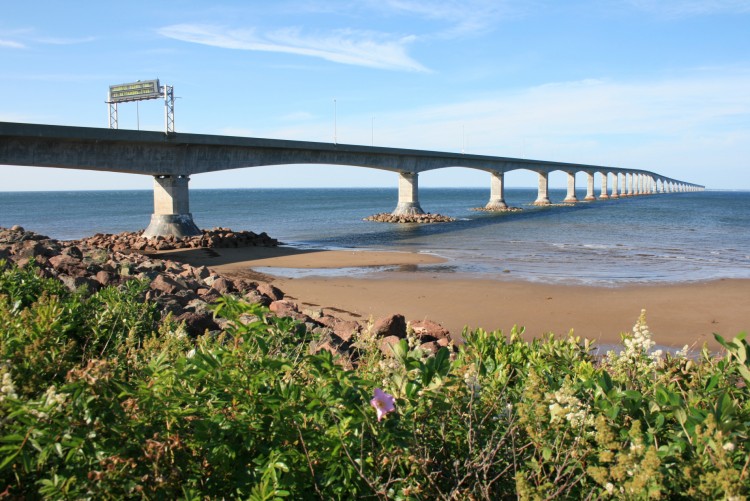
point(676, 314)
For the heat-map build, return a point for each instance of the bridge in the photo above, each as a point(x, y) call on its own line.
point(172, 158)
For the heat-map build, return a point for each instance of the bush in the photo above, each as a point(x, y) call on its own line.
point(98, 401)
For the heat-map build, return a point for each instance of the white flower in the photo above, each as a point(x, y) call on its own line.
point(610, 488)
point(729, 447)
point(7, 388)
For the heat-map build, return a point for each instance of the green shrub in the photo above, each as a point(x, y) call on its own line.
point(98, 401)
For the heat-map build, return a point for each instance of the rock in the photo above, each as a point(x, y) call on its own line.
point(255, 297)
point(385, 344)
point(285, 309)
point(16, 227)
point(281, 308)
point(76, 283)
point(103, 277)
point(346, 329)
point(201, 272)
point(197, 323)
point(269, 290)
point(410, 218)
point(444, 342)
point(197, 305)
point(430, 347)
point(73, 252)
point(394, 325)
point(428, 328)
point(314, 313)
point(165, 284)
point(223, 285)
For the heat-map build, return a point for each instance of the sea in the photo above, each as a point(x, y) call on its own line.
point(661, 238)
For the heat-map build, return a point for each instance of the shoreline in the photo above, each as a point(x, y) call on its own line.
point(677, 314)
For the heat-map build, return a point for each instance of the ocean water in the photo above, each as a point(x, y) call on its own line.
point(667, 238)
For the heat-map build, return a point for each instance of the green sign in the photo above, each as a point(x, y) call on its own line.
point(136, 91)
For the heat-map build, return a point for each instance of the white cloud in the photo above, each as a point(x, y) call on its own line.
point(65, 41)
point(11, 44)
point(695, 121)
point(464, 16)
point(687, 8)
point(360, 48)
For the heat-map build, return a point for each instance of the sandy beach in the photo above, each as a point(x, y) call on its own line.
point(677, 314)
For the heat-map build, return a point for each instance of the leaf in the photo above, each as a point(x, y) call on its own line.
point(681, 416)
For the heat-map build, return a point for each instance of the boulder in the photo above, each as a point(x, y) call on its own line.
point(72, 251)
point(103, 277)
point(393, 325)
point(165, 284)
point(385, 345)
point(429, 329)
point(197, 323)
point(269, 290)
point(255, 297)
point(346, 329)
point(223, 285)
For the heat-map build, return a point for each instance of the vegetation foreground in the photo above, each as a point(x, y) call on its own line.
point(100, 399)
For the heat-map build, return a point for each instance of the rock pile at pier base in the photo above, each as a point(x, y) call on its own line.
point(386, 217)
point(215, 238)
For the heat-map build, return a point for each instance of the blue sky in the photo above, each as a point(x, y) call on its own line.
point(662, 85)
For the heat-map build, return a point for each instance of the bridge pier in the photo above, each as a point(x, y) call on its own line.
point(604, 195)
point(497, 192)
point(590, 197)
point(171, 208)
point(542, 197)
point(615, 188)
point(570, 197)
point(408, 195)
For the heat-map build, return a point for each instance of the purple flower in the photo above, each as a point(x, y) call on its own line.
point(383, 403)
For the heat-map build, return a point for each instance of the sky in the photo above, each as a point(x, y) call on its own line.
point(660, 85)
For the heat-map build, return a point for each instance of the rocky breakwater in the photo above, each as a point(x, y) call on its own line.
point(215, 238)
point(500, 209)
point(385, 217)
point(185, 292)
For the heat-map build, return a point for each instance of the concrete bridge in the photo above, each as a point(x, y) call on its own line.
point(172, 158)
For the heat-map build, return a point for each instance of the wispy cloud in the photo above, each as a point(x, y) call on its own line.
point(11, 44)
point(360, 48)
point(689, 8)
point(696, 120)
point(65, 41)
point(23, 38)
point(463, 16)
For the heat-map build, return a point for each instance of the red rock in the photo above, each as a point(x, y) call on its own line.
point(423, 328)
point(283, 308)
point(103, 277)
point(430, 347)
point(165, 284)
point(269, 290)
point(385, 344)
point(223, 285)
point(197, 323)
point(346, 329)
point(394, 325)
